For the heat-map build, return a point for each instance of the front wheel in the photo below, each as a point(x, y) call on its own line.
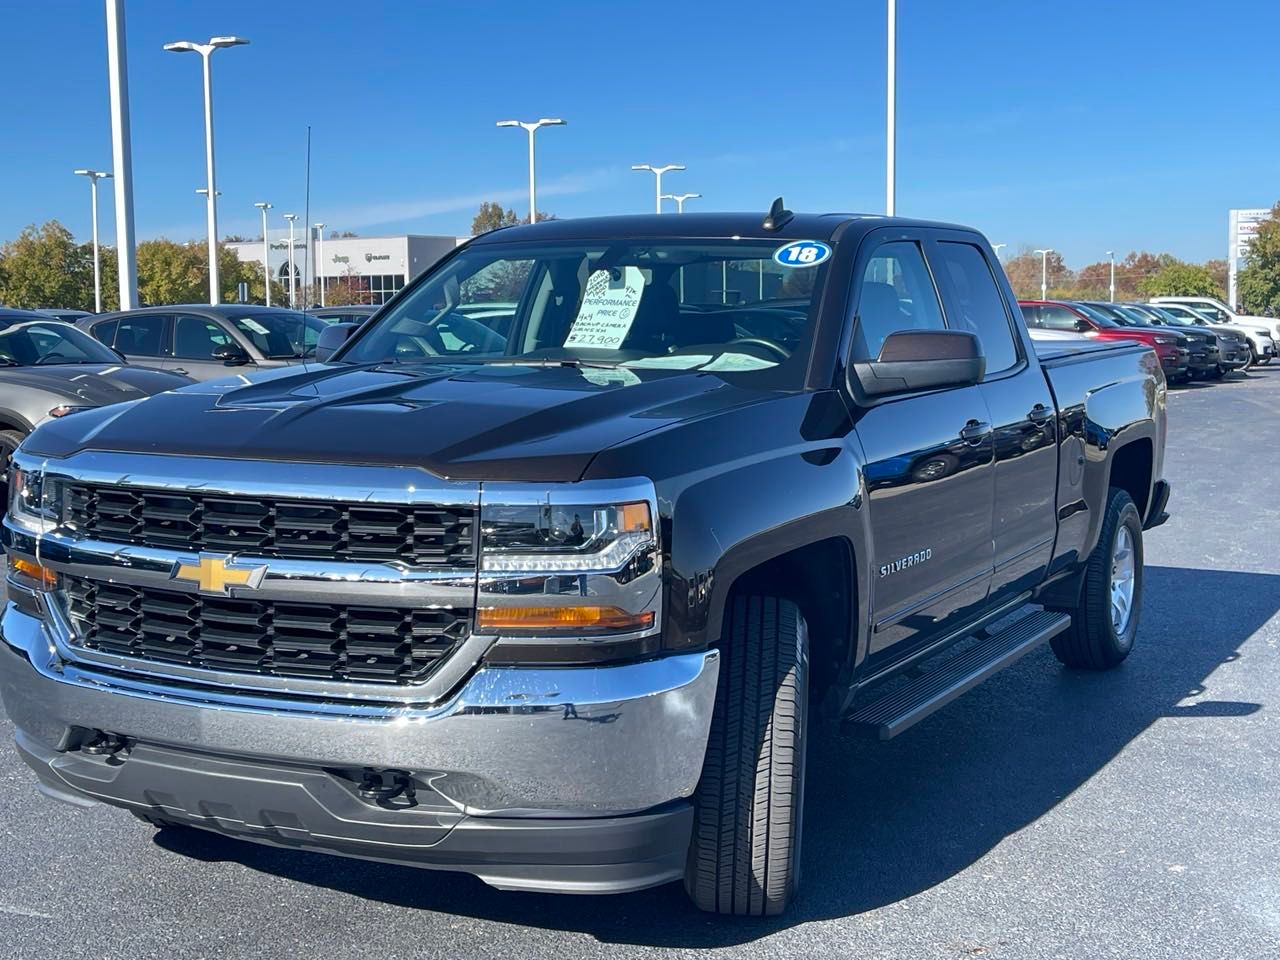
point(744, 857)
point(1105, 621)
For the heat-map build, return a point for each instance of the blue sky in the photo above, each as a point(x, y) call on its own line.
point(1084, 126)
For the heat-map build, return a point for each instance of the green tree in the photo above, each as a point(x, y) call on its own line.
point(1179, 279)
point(1258, 284)
point(45, 267)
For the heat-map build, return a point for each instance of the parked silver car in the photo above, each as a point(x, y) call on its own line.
point(206, 342)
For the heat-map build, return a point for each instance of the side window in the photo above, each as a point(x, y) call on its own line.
point(974, 303)
point(142, 335)
point(1059, 318)
point(105, 332)
point(1031, 314)
point(195, 338)
point(896, 293)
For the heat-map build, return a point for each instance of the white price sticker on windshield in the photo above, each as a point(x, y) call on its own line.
point(608, 309)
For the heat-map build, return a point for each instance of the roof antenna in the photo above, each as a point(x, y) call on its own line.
point(778, 216)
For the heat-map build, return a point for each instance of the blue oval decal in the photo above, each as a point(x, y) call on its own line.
point(802, 253)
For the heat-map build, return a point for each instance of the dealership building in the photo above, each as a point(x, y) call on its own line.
point(382, 264)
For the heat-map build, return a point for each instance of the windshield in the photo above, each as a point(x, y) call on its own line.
point(280, 334)
point(1102, 318)
point(723, 305)
point(47, 342)
point(1169, 317)
point(1141, 313)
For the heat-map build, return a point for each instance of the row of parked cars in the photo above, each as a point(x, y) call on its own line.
point(1194, 337)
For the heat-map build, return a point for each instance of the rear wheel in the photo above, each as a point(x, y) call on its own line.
point(1105, 621)
point(744, 857)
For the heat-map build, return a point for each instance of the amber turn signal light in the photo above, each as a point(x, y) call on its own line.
point(500, 619)
point(33, 572)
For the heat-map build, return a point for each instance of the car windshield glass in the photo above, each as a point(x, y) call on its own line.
point(48, 342)
point(1169, 317)
point(1131, 317)
point(280, 334)
point(714, 305)
point(1099, 317)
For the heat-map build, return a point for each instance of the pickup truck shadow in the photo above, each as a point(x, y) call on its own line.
point(885, 821)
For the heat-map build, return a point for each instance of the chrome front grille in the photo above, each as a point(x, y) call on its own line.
point(414, 535)
point(317, 641)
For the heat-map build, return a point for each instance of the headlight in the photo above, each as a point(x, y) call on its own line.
point(569, 538)
point(570, 572)
point(35, 501)
point(1166, 340)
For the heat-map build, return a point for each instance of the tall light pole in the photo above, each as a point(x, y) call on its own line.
point(266, 251)
point(532, 128)
point(206, 51)
point(997, 247)
point(891, 111)
point(680, 198)
point(293, 303)
point(1111, 256)
point(94, 176)
point(1044, 273)
point(657, 176)
point(320, 259)
point(121, 154)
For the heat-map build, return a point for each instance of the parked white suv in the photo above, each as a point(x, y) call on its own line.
point(1264, 341)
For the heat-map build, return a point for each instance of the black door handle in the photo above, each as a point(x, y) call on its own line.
point(1039, 414)
point(975, 431)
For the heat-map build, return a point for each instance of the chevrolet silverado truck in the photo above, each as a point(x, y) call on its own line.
point(549, 573)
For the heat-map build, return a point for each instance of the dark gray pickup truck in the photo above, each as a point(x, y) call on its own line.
point(548, 573)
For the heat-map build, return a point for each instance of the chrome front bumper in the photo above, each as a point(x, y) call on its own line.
point(511, 742)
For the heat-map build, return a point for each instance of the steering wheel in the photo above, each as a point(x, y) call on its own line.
point(781, 352)
point(51, 358)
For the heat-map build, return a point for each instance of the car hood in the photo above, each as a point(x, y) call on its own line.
point(471, 422)
point(92, 384)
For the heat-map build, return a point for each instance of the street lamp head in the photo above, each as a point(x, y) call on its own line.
point(291, 217)
point(263, 206)
point(182, 46)
point(551, 122)
point(1111, 253)
point(93, 174)
point(227, 41)
point(508, 123)
point(641, 166)
point(318, 226)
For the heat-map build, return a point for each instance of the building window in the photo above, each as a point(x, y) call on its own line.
point(383, 286)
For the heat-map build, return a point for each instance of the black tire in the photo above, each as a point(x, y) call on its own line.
point(744, 857)
point(1218, 372)
point(1093, 642)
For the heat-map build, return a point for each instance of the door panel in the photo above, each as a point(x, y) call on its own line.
point(928, 470)
point(929, 494)
point(1024, 520)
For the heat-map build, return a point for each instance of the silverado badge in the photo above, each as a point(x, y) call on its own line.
point(217, 574)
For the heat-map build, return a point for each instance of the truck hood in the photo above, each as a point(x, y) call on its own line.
point(469, 422)
point(91, 384)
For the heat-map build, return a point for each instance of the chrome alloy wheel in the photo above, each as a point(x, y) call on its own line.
point(1122, 580)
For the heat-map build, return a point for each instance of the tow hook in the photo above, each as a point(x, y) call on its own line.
point(104, 744)
point(381, 786)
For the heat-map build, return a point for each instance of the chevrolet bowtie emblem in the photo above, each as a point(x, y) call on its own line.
point(218, 574)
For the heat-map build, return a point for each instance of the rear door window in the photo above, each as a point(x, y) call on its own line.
point(105, 332)
point(145, 335)
point(973, 301)
point(1059, 318)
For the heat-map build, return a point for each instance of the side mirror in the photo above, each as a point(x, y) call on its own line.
point(1082, 326)
point(922, 360)
point(331, 338)
point(232, 354)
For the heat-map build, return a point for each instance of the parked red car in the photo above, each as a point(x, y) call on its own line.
point(1079, 318)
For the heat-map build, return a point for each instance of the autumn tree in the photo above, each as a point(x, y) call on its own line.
point(491, 216)
point(1023, 271)
point(346, 290)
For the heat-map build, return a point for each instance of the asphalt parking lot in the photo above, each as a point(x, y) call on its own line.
point(1047, 814)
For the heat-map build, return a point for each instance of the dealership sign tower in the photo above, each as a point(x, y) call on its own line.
point(1242, 228)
